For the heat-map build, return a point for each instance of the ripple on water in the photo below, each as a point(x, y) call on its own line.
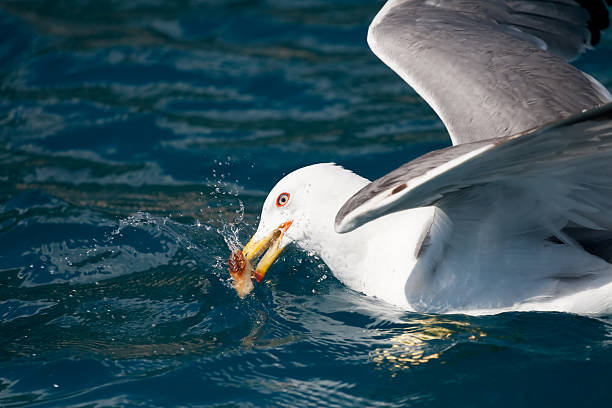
point(138, 141)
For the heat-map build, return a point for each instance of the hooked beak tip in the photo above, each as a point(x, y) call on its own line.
point(259, 275)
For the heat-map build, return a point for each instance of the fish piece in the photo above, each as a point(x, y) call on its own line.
point(241, 271)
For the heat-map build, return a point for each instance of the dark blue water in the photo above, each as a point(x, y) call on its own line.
point(139, 136)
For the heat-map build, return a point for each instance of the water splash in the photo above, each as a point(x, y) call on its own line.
point(161, 226)
point(231, 230)
point(232, 224)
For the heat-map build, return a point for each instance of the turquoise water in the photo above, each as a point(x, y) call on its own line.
point(139, 137)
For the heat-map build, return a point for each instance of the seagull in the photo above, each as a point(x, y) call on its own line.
point(517, 213)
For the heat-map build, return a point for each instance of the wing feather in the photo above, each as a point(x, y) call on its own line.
point(492, 68)
point(564, 166)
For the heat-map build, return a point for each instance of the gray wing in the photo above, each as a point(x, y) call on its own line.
point(564, 166)
point(493, 68)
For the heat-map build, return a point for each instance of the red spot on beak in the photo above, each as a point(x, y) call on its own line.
point(258, 276)
point(285, 226)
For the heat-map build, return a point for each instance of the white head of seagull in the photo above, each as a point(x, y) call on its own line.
point(301, 208)
point(375, 259)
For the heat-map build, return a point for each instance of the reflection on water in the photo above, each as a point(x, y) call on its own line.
point(425, 339)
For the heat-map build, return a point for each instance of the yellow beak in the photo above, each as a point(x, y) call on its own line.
point(271, 242)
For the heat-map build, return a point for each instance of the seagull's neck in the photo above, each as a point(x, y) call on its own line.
point(320, 236)
point(374, 256)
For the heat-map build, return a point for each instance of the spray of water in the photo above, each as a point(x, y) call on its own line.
point(231, 223)
point(222, 217)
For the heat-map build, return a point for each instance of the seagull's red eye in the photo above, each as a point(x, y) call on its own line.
point(283, 198)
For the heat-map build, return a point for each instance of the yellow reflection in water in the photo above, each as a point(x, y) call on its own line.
point(425, 340)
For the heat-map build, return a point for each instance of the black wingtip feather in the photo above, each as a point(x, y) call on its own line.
point(600, 18)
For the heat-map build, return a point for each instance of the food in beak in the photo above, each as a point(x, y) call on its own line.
point(241, 271)
point(240, 266)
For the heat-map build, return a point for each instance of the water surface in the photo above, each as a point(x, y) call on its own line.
point(138, 137)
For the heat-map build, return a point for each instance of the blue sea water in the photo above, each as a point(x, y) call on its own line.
point(139, 137)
